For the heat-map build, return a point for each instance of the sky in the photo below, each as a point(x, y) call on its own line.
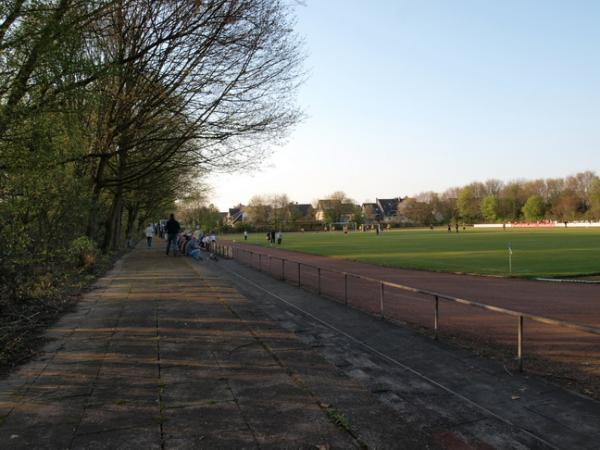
point(410, 96)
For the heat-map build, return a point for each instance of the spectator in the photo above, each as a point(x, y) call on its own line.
point(149, 234)
point(193, 249)
point(172, 228)
point(212, 241)
point(279, 237)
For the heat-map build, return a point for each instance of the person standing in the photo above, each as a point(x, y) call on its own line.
point(245, 235)
point(279, 237)
point(149, 234)
point(172, 228)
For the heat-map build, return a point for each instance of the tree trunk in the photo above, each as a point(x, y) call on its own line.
point(112, 232)
point(92, 227)
point(132, 213)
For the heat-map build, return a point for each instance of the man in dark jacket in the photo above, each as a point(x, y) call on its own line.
point(172, 228)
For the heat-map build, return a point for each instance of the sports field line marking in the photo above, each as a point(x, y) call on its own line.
point(566, 280)
point(393, 360)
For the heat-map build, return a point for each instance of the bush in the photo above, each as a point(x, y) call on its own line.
point(83, 252)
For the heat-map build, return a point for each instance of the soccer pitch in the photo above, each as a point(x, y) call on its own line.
point(535, 253)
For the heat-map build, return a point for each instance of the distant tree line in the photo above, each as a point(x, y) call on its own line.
point(571, 198)
point(112, 110)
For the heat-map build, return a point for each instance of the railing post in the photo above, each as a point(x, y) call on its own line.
point(319, 280)
point(520, 344)
point(270, 261)
point(381, 285)
point(436, 318)
point(299, 283)
point(283, 269)
point(345, 288)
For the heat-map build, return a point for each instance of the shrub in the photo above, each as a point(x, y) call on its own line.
point(83, 252)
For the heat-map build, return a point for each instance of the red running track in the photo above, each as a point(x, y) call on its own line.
point(577, 303)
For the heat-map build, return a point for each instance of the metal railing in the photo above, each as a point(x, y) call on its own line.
point(235, 252)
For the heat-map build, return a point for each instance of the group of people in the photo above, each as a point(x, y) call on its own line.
point(273, 237)
point(178, 241)
point(193, 244)
point(455, 227)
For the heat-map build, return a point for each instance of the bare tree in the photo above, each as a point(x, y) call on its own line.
point(208, 84)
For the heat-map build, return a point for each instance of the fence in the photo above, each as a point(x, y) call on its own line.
point(346, 287)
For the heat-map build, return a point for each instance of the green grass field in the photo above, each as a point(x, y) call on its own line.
point(536, 253)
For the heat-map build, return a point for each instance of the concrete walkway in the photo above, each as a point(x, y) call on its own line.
point(164, 354)
point(460, 400)
point(169, 353)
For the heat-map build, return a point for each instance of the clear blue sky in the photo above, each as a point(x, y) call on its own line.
point(408, 96)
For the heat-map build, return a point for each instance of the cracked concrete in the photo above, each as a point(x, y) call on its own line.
point(162, 354)
point(458, 399)
point(168, 353)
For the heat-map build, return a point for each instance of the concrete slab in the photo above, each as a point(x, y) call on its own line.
point(455, 397)
point(166, 355)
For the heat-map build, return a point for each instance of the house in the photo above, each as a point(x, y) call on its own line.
point(235, 215)
point(323, 206)
point(389, 208)
point(302, 212)
point(383, 210)
point(372, 212)
point(334, 210)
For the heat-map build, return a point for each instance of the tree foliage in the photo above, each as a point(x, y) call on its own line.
point(112, 110)
point(468, 203)
point(533, 210)
point(489, 206)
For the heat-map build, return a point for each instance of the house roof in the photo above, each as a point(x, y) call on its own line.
point(302, 208)
point(328, 203)
point(235, 214)
point(389, 206)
